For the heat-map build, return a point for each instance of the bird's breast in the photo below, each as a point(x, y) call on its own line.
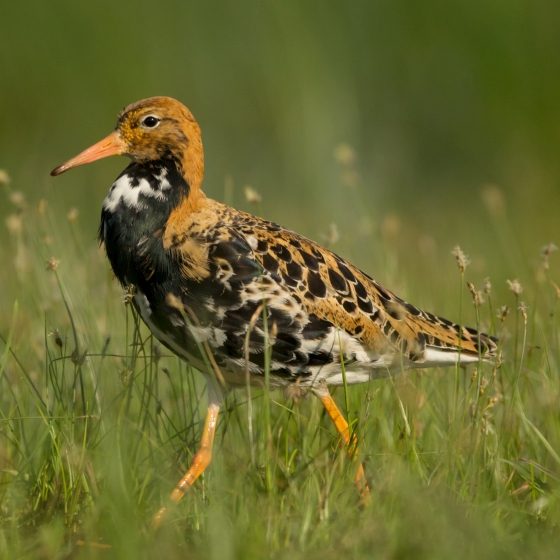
point(133, 219)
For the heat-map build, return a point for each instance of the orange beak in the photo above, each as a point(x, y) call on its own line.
point(110, 146)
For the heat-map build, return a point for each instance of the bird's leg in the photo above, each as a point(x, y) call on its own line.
point(199, 462)
point(342, 427)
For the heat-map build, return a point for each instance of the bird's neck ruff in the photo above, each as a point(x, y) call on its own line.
point(152, 188)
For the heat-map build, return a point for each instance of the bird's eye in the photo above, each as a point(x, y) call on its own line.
point(150, 121)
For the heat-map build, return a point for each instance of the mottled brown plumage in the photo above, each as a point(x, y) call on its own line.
point(209, 279)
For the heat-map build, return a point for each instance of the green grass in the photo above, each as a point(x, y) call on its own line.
point(98, 422)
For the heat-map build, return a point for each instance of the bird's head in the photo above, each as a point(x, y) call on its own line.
point(158, 128)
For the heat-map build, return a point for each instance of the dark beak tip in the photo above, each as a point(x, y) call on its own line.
point(57, 170)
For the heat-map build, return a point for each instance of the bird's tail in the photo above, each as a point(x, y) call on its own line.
point(428, 340)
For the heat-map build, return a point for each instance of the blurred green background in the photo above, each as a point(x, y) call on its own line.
point(413, 126)
point(436, 99)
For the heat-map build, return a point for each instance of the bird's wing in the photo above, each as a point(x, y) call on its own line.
point(336, 291)
point(250, 280)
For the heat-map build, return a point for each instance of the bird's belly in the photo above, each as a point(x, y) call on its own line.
point(361, 365)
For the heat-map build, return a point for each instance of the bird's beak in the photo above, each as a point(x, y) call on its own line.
point(112, 145)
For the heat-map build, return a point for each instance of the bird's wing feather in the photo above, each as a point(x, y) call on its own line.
point(336, 291)
point(247, 272)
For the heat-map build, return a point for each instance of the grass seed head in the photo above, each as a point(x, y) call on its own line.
point(4, 178)
point(515, 287)
point(498, 363)
point(485, 426)
point(462, 259)
point(58, 340)
point(487, 286)
point(77, 358)
point(493, 401)
point(503, 312)
point(371, 395)
point(129, 294)
point(556, 289)
point(523, 308)
point(17, 198)
point(296, 392)
point(52, 264)
point(72, 215)
point(252, 195)
point(478, 300)
point(14, 224)
point(546, 251)
point(333, 236)
point(474, 375)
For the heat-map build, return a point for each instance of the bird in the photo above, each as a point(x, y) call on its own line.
point(242, 298)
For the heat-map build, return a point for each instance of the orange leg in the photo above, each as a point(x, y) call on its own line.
point(342, 428)
point(199, 462)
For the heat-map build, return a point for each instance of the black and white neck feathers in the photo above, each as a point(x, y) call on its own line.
point(142, 186)
point(135, 213)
